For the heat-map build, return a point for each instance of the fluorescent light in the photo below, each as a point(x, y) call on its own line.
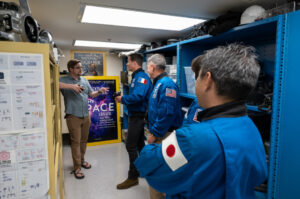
point(130, 18)
point(106, 44)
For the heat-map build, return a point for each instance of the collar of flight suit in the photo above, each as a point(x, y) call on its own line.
point(159, 77)
point(136, 71)
point(231, 109)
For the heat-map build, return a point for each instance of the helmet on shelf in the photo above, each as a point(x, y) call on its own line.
point(252, 13)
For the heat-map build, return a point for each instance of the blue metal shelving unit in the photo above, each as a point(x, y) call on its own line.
point(277, 41)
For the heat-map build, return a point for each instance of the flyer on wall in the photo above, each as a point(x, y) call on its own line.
point(104, 112)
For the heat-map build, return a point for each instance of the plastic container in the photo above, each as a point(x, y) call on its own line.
point(190, 80)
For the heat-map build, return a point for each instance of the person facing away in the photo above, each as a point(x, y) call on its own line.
point(221, 156)
point(92, 70)
point(137, 103)
point(164, 113)
point(76, 91)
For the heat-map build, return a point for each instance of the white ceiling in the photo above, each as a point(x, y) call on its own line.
point(60, 17)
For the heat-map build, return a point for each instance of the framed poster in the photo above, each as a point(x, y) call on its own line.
point(93, 62)
point(104, 112)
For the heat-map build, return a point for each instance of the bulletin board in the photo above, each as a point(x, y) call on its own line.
point(91, 57)
point(23, 129)
point(104, 112)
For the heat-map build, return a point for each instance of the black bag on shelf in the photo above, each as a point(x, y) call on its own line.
point(216, 26)
point(223, 23)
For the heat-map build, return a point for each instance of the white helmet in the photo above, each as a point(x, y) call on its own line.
point(252, 13)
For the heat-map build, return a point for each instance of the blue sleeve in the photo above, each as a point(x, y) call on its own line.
point(138, 93)
point(89, 86)
point(62, 79)
point(158, 174)
point(205, 161)
point(166, 112)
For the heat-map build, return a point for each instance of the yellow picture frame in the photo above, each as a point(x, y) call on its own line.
point(91, 57)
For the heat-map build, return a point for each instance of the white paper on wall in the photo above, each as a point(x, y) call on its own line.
point(28, 107)
point(23, 132)
point(8, 142)
point(4, 61)
point(25, 77)
point(32, 181)
point(5, 109)
point(8, 183)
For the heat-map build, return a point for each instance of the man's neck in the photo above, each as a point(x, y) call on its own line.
point(135, 69)
point(76, 77)
point(157, 73)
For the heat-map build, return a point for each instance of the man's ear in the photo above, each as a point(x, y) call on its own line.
point(208, 81)
point(152, 67)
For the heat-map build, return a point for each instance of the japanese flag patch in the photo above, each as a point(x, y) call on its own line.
point(172, 152)
point(142, 80)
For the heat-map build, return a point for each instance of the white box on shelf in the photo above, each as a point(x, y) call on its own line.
point(190, 80)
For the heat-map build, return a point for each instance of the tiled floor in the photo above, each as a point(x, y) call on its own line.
point(109, 167)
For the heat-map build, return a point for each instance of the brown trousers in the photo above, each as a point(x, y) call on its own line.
point(79, 133)
point(154, 194)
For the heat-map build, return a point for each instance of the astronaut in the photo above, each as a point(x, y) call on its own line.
point(221, 155)
point(164, 110)
point(136, 102)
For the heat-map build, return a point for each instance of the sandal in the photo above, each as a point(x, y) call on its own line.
point(78, 174)
point(86, 165)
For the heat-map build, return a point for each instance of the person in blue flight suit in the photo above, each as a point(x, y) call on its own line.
point(191, 115)
point(222, 156)
point(164, 114)
point(137, 103)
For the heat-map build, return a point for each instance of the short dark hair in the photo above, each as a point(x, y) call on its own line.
point(138, 58)
point(196, 65)
point(234, 69)
point(72, 63)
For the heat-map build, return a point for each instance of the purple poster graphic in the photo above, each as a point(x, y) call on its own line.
point(103, 112)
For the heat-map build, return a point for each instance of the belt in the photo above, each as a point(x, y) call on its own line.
point(67, 115)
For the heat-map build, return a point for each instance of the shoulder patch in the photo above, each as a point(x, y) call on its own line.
point(142, 80)
point(172, 152)
point(170, 92)
point(196, 114)
point(156, 90)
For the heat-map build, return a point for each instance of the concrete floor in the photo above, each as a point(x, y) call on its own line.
point(110, 165)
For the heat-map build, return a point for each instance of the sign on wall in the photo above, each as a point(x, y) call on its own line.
point(104, 112)
point(92, 62)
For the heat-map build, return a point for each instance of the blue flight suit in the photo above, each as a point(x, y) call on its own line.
point(164, 112)
point(139, 92)
point(221, 157)
point(137, 103)
point(191, 115)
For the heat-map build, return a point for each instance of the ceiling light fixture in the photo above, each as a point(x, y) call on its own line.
point(101, 44)
point(131, 18)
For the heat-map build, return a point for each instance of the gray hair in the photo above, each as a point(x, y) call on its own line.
point(234, 69)
point(158, 60)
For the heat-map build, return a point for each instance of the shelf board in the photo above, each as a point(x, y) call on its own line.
point(171, 48)
point(187, 95)
point(255, 108)
point(263, 27)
